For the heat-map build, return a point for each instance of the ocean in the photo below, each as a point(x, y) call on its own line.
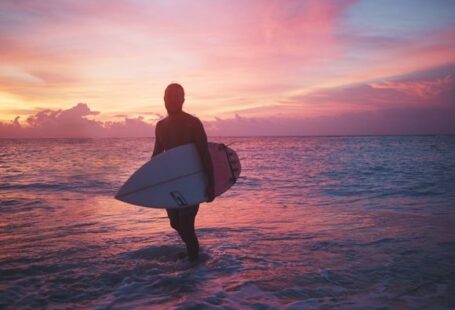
point(315, 222)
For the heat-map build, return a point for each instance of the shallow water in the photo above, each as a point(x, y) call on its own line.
point(320, 222)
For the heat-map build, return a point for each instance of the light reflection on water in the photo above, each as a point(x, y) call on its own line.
point(330, 221)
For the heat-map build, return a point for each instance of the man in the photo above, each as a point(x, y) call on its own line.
point(176, 129)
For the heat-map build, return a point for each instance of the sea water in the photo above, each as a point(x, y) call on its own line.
point(314, 222)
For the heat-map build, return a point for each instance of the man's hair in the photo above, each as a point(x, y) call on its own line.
point(174, 89)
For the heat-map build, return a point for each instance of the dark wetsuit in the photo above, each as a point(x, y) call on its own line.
point(178, 129)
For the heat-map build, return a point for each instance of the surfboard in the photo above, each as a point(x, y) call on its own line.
point(176, 178)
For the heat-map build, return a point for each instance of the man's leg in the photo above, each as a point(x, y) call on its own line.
point(173, 215)
point(182, 220)
point(187, 217)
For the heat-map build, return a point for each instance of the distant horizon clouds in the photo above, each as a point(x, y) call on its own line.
point(288, 67)
point(417, 113)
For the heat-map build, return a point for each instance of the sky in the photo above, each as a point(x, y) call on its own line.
point(288, 67)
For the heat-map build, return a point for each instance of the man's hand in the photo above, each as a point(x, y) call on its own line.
point(210, 192)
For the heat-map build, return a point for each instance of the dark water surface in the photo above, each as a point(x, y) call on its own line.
point(317, 222)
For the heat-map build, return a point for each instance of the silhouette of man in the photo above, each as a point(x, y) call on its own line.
point(176, 129)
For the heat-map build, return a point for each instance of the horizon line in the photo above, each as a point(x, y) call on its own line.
point(242, 136)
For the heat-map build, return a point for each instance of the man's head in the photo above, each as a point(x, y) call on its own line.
point(174, 96)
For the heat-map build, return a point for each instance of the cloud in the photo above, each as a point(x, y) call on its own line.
point(230, 55)
point(104, 46)
point(421, 102)
point(389, 121)
point(423, 89)
point(431, 88)
point(74, 123)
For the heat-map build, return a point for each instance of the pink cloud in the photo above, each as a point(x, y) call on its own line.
point(424, 89)
point(272, 38)
point(435, 87)
point(373, 57)
point(74, 123)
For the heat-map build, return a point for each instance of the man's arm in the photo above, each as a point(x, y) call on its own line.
point(203, 149)
point(159, 148)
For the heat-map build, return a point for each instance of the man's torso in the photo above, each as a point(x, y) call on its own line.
point(178, 129)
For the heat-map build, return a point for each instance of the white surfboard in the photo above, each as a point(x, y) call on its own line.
point(176, 178)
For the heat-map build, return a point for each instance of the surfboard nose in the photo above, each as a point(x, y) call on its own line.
point(118, 195)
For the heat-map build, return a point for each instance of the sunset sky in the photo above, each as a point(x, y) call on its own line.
point(99, 68)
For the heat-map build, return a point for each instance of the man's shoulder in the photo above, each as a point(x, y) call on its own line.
point(192, 118)
point(161, 121)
